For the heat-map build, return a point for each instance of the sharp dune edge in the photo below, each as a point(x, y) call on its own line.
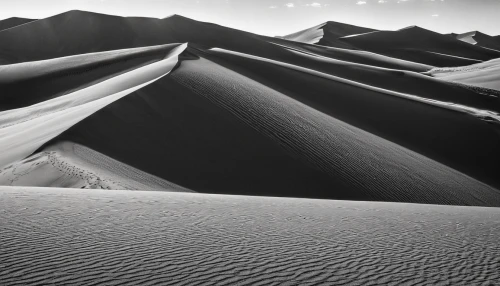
point(112, 128)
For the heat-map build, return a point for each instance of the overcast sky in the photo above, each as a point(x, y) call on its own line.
point(281, 17)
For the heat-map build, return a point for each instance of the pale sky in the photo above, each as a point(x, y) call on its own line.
point(281, 17)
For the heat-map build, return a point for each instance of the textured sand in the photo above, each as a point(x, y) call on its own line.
point(90, 237)
point(378, 168)
point(486, 74)
point(68, 165)
point(466, 143)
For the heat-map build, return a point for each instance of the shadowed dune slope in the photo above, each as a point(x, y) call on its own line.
point(79, 32)
point(82, 237)
point(327, 34)
point(288, 147)
point(354, 56)
point(34, 82)
point(453, 138)
point(486, 75)
point(389, 79)
point(423, 46)
point(13, 22)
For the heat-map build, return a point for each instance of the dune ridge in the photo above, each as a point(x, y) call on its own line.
point(13, 22)
point(327, 34)
point(26, 129)
point(421, 45)
point(30, 83)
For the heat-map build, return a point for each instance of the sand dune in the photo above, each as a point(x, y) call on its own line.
point(80, 32)
point(128, 127)
point(327, 34)
point(87, 237)
point(238, 113)
point(374, 110)
point(479, 39)
point(467, 37)
point(68, 165)
point(229, 109)
point(24, 130)
point(29, 83)
point(13, 22)
point(423, 46)
point(485, 75)
point(354, 56)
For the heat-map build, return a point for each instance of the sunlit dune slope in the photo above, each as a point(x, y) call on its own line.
point(24, 130)
point(68, 165)
point(328, 34)
point(29, 83)
point(479, 39)
point(486, 75)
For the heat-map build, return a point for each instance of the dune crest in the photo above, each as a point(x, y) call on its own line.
point(26, 129)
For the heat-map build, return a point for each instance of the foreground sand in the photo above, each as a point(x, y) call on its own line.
point(89, 237)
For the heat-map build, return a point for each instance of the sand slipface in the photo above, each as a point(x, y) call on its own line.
point(87, 237)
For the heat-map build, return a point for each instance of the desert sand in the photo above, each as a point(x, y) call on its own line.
point(89, 237)
point(479, 39)
point(328, 34)
point(13, 22)
point(485, 75)
point(172, 151)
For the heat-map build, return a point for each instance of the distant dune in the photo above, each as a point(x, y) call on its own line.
point(480, 39)
point(13, 22)
point(54, 236)
point(485, 75)
point(328, 34)
point(421, 45)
